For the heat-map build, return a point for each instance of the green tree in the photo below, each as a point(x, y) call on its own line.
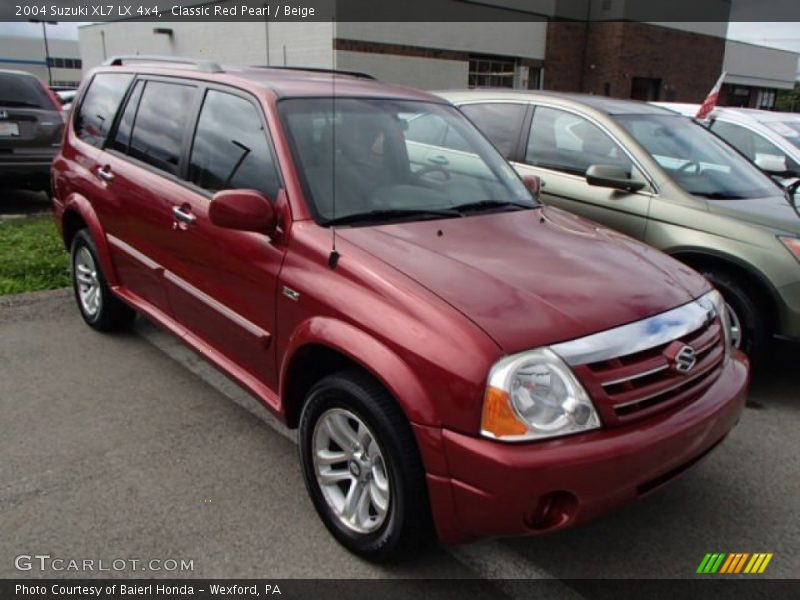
point(789, 100)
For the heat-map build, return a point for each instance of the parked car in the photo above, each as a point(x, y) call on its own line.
point(66, 97)
point(662, 179)
point(769, 139)
point(451, 351)
point(31, 125)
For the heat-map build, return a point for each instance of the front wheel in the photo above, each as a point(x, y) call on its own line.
point(750, 331)
point(362, 468)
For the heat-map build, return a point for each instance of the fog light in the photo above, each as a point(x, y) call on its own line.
point(552, 511)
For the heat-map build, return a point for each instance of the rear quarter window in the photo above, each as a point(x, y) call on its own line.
point(99, 105)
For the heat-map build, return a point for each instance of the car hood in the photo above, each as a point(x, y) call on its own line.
point(773, 212)
point(536, 277)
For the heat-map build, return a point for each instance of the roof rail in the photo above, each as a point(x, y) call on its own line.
point(201, 65)
point(358, 74)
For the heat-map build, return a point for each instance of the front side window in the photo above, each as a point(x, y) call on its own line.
point(99, 105)
point(567, 142)
point(230, 148)
point(356, 160)
point(160, 124)
point(697, 160)
point(500, 122)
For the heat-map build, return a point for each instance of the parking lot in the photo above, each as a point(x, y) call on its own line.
point(129, 446)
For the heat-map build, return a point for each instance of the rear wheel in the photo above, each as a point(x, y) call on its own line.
point(362, 468)
point(98, 305)
point(750, 327)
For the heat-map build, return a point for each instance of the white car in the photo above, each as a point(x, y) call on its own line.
point(770, 139)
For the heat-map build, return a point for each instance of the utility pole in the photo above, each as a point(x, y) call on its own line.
point(46, 47)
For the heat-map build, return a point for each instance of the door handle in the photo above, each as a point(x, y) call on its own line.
point(438, 160)
point(183, 215)
point(105, 173)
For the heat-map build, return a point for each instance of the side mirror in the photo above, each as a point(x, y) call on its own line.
point(611, 176)
point(534, 185)
point(772, 164)
point(793, 194)
point(243, 210)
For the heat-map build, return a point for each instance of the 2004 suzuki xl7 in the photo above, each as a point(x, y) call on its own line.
point(463, 358)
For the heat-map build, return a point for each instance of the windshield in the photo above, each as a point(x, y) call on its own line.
point(696, 159)
point(393, 159)
point(22, 91)
point(790, 130)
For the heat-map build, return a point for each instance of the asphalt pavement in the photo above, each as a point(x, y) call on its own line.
point(130, 446)
point(21, 203)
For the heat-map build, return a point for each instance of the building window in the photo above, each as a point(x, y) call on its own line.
point(766, 99)
point(487, 72)
point(58, 62)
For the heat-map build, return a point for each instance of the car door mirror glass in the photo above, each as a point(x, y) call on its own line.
point(770, 163)
point(612, 176)
point(243, 210)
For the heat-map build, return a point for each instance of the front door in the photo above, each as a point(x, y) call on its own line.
point(561, 146)
point(222, 283)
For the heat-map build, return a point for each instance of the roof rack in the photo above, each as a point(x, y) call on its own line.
point(201, 65)
point(358, 74)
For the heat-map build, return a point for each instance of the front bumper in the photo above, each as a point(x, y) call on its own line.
point(790, 311)
point(495, 488)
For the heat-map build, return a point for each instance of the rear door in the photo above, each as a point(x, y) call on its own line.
point(222, 283)
point(142, 165)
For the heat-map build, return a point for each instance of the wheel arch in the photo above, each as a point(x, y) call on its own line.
point(79, 214)
point(703, 259)
point(322, 345)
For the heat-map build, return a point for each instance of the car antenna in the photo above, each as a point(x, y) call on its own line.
point(333, 258)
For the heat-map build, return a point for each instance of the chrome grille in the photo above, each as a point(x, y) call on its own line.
point(639, 384)
point(641, 368)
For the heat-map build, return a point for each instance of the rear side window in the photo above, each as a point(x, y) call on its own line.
point(99, 105)
point(230, 148)
point(501, 123)
point(23, 91)
point(160, 124)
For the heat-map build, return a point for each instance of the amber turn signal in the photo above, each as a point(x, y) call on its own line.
point(498, 418)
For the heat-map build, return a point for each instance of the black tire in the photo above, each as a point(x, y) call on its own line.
point(112, 314)
point(752, 314)
point(407, 525)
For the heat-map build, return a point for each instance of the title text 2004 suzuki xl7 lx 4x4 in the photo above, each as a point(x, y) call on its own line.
point(464, 359)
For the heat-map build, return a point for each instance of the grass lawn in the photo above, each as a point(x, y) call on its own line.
point(32, 256)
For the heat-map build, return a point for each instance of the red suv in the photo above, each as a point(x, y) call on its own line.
point(453, 353)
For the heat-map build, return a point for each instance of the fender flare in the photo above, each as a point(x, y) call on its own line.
point(80, 205)
point(371, 354)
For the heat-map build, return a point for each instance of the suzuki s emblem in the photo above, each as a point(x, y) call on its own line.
point(682, 357)
point(3, 115)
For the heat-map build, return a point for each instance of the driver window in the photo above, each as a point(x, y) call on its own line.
point(567, 142)
point(230, 148)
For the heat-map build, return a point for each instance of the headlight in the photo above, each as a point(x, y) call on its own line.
point(793, 244)
point(721, 308)
point(534, 395)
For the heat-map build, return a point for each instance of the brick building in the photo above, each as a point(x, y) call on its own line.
point(592, 46)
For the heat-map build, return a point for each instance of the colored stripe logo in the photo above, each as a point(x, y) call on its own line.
point(734, 563)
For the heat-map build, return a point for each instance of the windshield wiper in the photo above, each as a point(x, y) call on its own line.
point(19, 103)
point(481, 204)
point(392, 213)
point(717, 195)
